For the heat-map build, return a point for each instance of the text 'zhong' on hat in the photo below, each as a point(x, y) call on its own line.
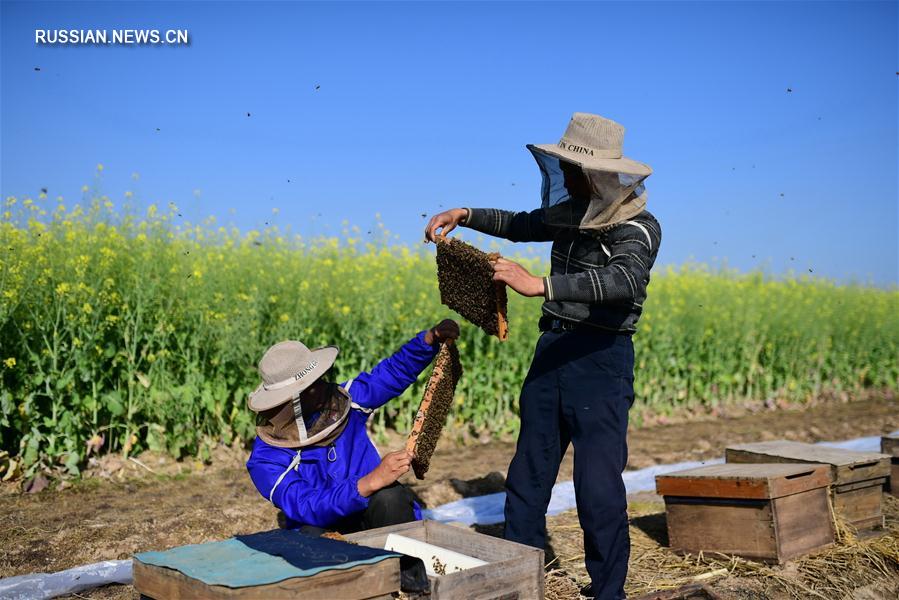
point(288, 368)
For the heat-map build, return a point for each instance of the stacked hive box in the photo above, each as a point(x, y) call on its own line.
point(763, 512)
point(858, 477)
point(889, 444)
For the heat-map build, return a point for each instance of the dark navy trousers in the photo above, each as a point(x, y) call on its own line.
point(578, 390)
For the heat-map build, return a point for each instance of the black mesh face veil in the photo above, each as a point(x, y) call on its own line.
point(584, 198)
point(562, 180)
point(332, 411)
point(565, 192)
point(293, 425)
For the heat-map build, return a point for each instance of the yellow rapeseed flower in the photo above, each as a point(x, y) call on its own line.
point(99, 166)
point(10, 362)
point(284, 318)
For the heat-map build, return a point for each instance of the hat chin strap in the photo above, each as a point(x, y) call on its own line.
point(305, 440)
point(298, 417)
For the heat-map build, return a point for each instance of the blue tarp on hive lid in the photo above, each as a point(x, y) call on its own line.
point(263, 558)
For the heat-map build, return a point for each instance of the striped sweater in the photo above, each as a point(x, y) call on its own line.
point(596, 278)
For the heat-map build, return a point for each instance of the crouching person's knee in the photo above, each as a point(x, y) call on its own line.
point(391, 505)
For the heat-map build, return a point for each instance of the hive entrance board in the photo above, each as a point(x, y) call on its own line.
point(465, 278)
point(435, 405)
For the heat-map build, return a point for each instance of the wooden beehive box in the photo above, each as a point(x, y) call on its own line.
point(889, 445)
point(513, 571)
point(227, 570)
point(767, 512)
point(858, 477)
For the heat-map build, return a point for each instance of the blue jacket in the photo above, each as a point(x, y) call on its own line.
point(322, 489)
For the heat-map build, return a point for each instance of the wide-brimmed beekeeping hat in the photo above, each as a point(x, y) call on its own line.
point(286, 369)
point(587, 183)
point(595, 143)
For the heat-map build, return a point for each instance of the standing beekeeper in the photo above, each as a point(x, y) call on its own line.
point(580, 383)
point(312, 456)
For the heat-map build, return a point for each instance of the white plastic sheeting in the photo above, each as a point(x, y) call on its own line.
point(482, 510)
point(865, 444)
point(38, 586)
point(488, 509)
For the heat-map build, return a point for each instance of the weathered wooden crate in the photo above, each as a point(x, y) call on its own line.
point(514, 571)
point(242, 568)
point(372, 582)
point(766, 512)
point(889, 444)
point(858, 477)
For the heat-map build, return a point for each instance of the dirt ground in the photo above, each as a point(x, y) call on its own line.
point(154, 503)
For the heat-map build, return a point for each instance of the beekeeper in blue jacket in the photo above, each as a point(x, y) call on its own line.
point(312, 456)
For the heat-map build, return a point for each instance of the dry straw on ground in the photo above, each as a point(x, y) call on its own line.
point(465, 278)
point(834, 572)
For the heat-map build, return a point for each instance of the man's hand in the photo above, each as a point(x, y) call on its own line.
point(443, 331)
point(518, 278)
point(445, 221)
point(392, 467)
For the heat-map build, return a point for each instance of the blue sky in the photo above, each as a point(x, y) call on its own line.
point(428, 104)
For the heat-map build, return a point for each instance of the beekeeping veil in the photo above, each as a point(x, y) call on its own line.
point(587, 182)
point(287, 370)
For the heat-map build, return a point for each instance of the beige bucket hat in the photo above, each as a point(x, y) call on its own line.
point(288, 368)
point(594, 142)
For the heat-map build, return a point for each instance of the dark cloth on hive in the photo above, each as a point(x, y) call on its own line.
point(306, 552)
